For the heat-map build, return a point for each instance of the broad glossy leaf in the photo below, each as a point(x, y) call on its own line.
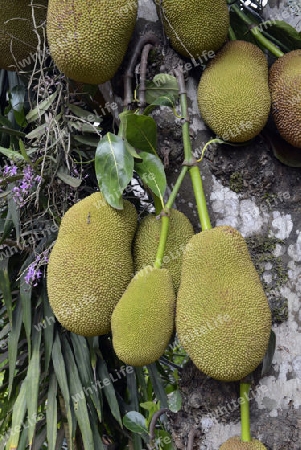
point(151, 171)
point(164, 100)
point(140, 131)
point(162, 85)
point(114, 168)
point(283, 32)
point(175, 401)
point(17, 96)
point(135, 422)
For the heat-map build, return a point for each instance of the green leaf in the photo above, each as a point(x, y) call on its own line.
point(13, 340)
point(51, 412)
point(114, 168)
point(25, 298)
point(151, 171)
point(17, 418)
point(164, 100)
point(40, 109)
point(33, 380)
point(82, 358)
point(48, 328)
point(163, 440)
point(132, 151)
point(23, 152)
point(68, 179)
point(91, 141)
point(140, 131)
point(60, 372)
point(162, 85)
point(268, 357)
point(109, 390)
point(5, 288)
point(78, 397)
point(135, 422)
point(11, 154)
point(157, 385)
point(17, 102)
point(175, 401)
point(15, 216)
point(83, 114)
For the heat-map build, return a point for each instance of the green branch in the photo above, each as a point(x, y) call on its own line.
point(256, 32)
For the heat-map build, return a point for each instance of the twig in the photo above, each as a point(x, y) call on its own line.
point(148, 38)
point(193, 433)
point(152, 425)
point(143, 65)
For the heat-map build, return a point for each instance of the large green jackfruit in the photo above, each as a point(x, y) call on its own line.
point(91, 264)
point(195, 28)
point(143, 320)
point(88, 39)
point(285, 86)
point(233, 93)
point(18, 38)
point(223, 318)
point(147, 239)
point(235, 443)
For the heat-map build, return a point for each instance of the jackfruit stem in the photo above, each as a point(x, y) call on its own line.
point(165, 219)
point(194, 171)
point(257, 34)
point(245, 412)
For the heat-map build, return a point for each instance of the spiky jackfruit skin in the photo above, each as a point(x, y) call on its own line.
point(285, 87)
point(147, 239)
point(223, 318)
point(196, 27)
point(233, 93)
point(91, 264)
point(235, 443)
point(18, 39)
point(88, 39)
point(143, 320)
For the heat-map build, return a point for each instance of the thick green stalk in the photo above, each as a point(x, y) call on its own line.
point(245, 412)
point(194, 171)
point(256, 33)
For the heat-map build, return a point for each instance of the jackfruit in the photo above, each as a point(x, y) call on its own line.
point(195, 28)
point(143, 320)
point(285, 87)
point(233, 93)
point(223, 318)
point(18, 38)
point(88, 40)
point(147, 239)
point(235, 443)
point(91, 264)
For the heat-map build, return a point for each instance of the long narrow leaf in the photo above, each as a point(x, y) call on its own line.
point(109, 390)
point(13, 340)
point(33, 379)
point(157, 385)
point(48, 329)
point(134, 405)
point(60, 372)
point(5, 287)
point(82, 358)
point(17, 418)
point(51, 412)
point(25, 297)
point(78, 397)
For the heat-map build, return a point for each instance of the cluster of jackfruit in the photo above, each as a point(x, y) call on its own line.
point(88, 40)
point(235, 443)
point(91, 264)
point(233, 93)
point(18, 32)
point(195, 28)
point(221, 305)
point(285, 86)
